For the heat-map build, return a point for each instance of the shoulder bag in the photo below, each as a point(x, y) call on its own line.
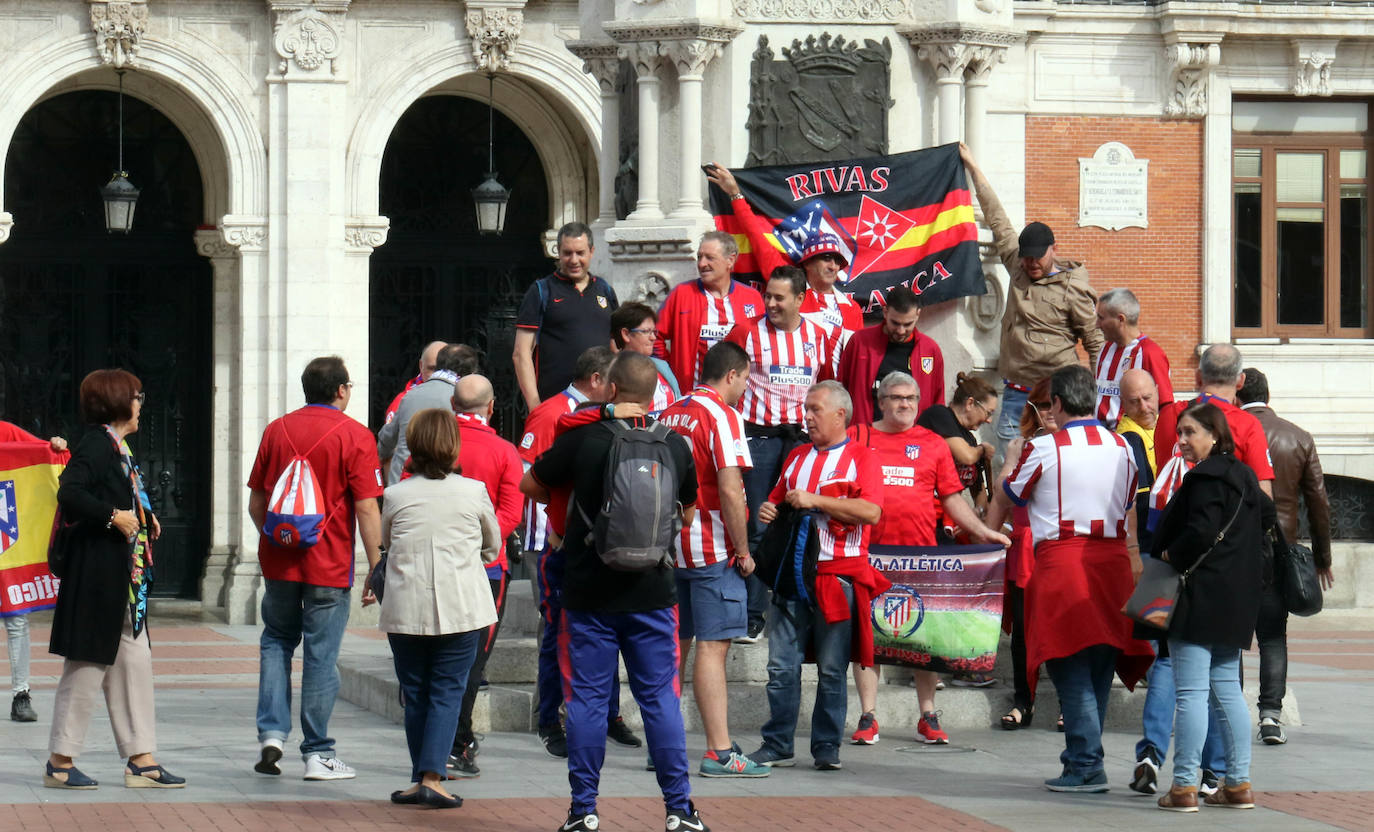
point(1156, 593)
point(1295, 572)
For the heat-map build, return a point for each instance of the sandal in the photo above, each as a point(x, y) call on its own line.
point(1059, 725)
point(134, 778)
point(75, 779)
point(1017, 717)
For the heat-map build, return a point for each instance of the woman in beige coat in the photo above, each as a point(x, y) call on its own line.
point(439, 529)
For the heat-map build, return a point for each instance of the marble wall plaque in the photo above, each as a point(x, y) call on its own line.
point(1113, 189)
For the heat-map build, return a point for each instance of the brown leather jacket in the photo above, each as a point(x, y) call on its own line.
point(1297, 469)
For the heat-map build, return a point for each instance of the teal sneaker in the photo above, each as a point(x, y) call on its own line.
point(736, 765)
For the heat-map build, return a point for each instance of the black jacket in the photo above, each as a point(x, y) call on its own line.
point(1220, 600)
point(93, 599)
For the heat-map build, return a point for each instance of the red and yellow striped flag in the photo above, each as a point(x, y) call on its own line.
point(28, 502)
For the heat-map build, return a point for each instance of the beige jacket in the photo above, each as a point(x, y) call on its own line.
point(438, 534)
point(1044, 318)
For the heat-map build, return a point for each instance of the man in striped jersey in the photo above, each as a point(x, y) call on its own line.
point(837, 477)
point(698, 314)
point(1079, 484)
point(711, 566)
point(787, 354)
point(1118, 316)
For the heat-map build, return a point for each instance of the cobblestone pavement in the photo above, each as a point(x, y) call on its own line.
point(990, 779)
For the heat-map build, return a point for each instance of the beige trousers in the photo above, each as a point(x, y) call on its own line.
point(128, 687)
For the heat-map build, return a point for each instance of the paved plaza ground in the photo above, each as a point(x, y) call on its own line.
point(989, 779)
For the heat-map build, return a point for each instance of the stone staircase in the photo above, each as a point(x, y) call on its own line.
point(509, 704)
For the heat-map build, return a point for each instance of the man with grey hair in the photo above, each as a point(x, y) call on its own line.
point(839, 479)
point(427, 357)
point(1219, 376)
point(698, 314)
point(1118, 316)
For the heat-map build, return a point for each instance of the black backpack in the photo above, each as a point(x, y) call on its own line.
point(787, 557)
point(637, 527)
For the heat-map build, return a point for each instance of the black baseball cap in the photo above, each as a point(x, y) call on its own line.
point(1035, 240)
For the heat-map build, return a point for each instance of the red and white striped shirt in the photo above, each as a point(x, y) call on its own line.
point(693, 320)
point(1141, 354)
point(539, 435)
point(663, 396)
point(846, 471)
point(1078, 481)
point(716, 433)
point(835, 312)
point(782, 368)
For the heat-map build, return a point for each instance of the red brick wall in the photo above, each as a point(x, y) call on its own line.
point(1161, 264)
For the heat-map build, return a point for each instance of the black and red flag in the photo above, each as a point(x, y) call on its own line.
point(905, 219)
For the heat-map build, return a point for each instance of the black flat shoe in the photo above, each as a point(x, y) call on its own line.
point(1017, 717)
point(400, 797)
point(429, 797)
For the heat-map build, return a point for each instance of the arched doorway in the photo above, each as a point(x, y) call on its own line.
point(74, 298)
point(436, 277)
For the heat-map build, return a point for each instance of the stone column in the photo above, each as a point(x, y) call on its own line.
point(948, 61)
point(690, 57)
point(646, 57)
point(601, 61)
point(976, 95)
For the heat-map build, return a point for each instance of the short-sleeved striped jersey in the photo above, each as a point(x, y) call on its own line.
point(716, 433)
point(846, 470)
point(782, 368)
point(1141, 354)
point(539, 435)
point(1077, 482)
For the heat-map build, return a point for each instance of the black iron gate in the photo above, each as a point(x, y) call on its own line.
point(74, 298)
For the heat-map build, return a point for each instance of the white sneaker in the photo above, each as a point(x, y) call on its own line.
point(319, 768)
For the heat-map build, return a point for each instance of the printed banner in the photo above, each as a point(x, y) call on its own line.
point(905, 219)
point(28, 502)
point(944, 610)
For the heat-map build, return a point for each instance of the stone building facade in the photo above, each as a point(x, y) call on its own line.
point(316, 155)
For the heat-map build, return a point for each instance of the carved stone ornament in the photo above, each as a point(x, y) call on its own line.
point(986, 309)
point(953, 49)
point(599, 60)
point(118, 26)
point(665, 29)
point(645, 56)
point(244, 233)
point(6, 225)
point(494, 29)
point(210, 243)
point(692, 56)
point(1191, 65)
point(366, 234)
point(1312, 73)
point(822, 11)
point(309, 35)
point(827, 100)
point(981, 61)
point(652, 288)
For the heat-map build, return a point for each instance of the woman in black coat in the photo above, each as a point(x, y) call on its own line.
point(100, 624)
point(1212, 532)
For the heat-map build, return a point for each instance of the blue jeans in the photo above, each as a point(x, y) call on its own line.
point(791, 626)
point(433, 672)
point(1084, 682)
point(1009, 417)
point(1208, 677)
point(648, 641)
point(768, 453)
point(17, 631)
point(293, 612)
point(1158, 720)
point(549, 679)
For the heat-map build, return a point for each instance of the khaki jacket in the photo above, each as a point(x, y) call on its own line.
point(1297, 470)
point(1045, 318)
point(438, 534)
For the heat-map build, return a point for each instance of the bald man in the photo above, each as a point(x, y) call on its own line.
point(427, 358)
point(1139, 415)
point(484, 456)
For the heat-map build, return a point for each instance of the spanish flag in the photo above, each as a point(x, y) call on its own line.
point(905, 219)
point(28, 503)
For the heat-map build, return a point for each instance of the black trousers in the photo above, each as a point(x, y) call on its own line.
point(479, 664)
point(1016, 607)
point(1271, 631)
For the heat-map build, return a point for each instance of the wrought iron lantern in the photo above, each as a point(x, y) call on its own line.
point(120, 195)
point(491, 196)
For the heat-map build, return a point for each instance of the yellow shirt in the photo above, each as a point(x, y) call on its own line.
point(1147, 435)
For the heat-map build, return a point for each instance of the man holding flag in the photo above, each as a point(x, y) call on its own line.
point(28, 471)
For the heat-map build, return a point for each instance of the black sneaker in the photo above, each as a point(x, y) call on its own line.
point(267, 761)
point(21, 709)
point(828, 759)
point(580, 823)
point(1210, 783)
point(754, 634)
point(620, 734)
point(464, 763)
point(556, 743)
point(1271, 730)
point(685, 820)
point(1145, 778)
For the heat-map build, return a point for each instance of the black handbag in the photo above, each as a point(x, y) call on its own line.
point(60, 544)
point(1295, 570)
point(376, 579)
point(787, 556)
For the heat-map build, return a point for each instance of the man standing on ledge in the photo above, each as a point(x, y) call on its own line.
point(562, 315)
point(1118, 316)
point(893, 346)
point(1050, 306)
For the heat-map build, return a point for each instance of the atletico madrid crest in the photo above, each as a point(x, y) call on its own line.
point(913, 451)
point(9, 516)
point(927, 364)
point(601, 299)
point(749, 310)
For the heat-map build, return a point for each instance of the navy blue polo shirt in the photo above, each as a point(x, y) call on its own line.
point(566, 323)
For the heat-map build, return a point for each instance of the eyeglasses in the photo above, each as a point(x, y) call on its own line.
point(653, 333)
point(348, 384)
point(140, 397)
point(908, 399)
point(1043, 407)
